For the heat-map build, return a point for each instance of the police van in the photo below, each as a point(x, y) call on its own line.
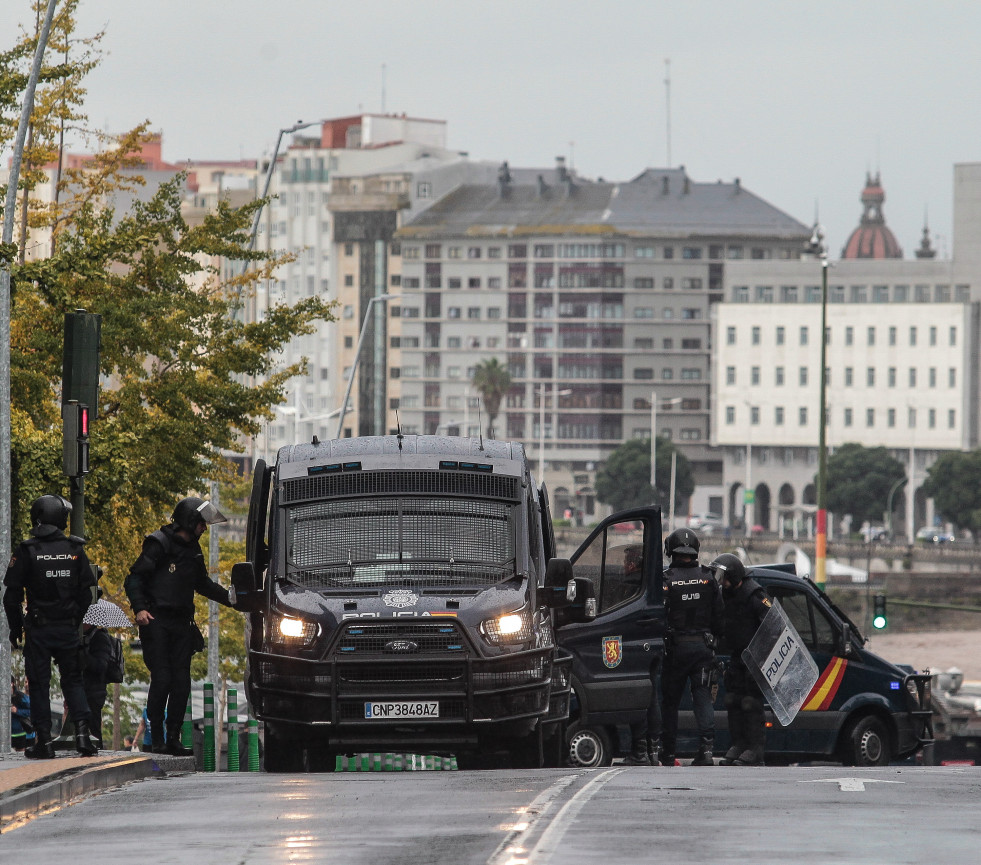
point(862, 711)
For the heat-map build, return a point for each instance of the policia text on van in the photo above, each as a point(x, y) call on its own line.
point(405, 599)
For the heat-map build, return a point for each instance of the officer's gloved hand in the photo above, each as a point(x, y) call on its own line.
point(16, 637)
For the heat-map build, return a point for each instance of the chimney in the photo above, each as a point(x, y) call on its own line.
point(542, 186)
point(503, 179)
point(687, 186)
point(738, 185)
point(561, 169)
point(664, 185)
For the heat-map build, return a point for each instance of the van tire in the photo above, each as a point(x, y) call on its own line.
point(588, 747)
point(281, 752)
point(866, 742)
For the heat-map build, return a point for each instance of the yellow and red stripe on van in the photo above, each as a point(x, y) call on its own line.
point(826, 686)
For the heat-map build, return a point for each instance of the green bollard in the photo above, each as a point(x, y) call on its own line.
point(208, 761)
point(253, 745)
point(187, 728)
point(233, 757)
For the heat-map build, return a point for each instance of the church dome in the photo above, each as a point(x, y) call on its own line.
point(872, 238)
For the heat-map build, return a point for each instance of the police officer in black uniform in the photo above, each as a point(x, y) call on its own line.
point(160, 587)
point(746, 605)
point(59, 582)
point(693, 609)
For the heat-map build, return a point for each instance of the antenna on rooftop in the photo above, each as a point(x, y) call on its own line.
point(667, 102)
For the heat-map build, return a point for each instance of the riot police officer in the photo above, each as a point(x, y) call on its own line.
point(693, 609)
point(160, 587)
point(746, 605)
point(60, 584)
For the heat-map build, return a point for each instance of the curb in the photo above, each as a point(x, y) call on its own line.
point(25, 802)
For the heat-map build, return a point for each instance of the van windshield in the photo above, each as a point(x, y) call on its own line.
point(418, 542)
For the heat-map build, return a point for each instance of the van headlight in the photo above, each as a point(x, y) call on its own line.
point(290, 631)
point(508, 628)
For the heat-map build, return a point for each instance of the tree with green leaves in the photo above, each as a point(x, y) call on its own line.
point(492, 379)
point(859, 480)
point(624, 480)
point(954, 483)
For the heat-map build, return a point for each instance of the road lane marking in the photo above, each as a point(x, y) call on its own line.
point(851, 785)
point(511, 851)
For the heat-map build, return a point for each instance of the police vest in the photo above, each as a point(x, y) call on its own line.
point(56, 573)
point(178, 569)
point(743, 614)
point(689, 596)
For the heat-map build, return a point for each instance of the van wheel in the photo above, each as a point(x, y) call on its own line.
point(588, 747)
point(866, 743)
point(281, 753)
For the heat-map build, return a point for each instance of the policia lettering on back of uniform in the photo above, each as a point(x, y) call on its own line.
point(160, 586)
point(54, 573)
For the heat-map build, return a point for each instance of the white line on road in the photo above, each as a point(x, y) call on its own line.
point(511, 851)
point(850, 785)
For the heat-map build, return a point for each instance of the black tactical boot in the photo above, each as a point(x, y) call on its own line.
point(157, 746)
point(654, 751)
point(176, 748)
point(638, 754)
point(42, 749)
point(704, 755)
point(736, 736)
point(83, 740)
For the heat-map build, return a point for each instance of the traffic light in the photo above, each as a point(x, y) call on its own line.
point(879, 618)
point(75, 456)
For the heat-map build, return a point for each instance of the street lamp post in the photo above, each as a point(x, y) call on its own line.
point(749, 496)
point(888, 514)
point(668, 402)
point(821, 542)
point(357, 354)
point(542, 392)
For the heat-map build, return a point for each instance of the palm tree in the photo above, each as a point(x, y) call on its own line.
point(493, 380)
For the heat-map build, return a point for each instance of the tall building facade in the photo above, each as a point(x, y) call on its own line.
point(595, 295)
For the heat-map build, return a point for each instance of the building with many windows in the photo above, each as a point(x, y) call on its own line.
point(596, 295)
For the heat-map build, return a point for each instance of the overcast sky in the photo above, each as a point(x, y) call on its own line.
point(798, 100)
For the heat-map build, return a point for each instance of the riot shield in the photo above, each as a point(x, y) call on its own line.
point(781, 664)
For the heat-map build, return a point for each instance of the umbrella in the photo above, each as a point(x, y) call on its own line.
point(106, 614)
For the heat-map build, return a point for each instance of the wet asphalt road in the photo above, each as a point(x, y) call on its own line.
point(620, 815)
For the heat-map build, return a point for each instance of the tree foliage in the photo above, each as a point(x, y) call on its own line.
point(492, 379)
point(859, 480)
point(624, 480)
point(954, 483)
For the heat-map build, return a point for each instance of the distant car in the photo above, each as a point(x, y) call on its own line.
point(706, 524)
point(875, 533)
point(934, 535)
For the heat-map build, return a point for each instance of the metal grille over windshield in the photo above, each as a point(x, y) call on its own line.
point(413, 542)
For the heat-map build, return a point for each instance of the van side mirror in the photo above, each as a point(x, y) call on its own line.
point(244, 583)
point(583, 607)
point(846, 640)
point(559, 584)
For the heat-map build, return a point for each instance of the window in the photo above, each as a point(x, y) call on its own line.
point(348, 279)
point(518, 250)
point(754, 415)
point(643, 282)
point(493, 252)
point(473, 252)
point(668, 253)
point(932, 375)
point(764, 294)
point(433, 250)
point(409, 252)
point(912, 336)
point(730, 336)
point(349, 249)
point(892, 336)
point(756, 335)
point(643, 312)
point(691, 283)
point(494, 312)
point(453, 282)
point(901, 294)
point(454, 312)
point(692, 253)
point(809, 620)
point(892, 376)
point(473, 282)
point(911, 418)
point(802, 416)
point(667, 373)
point(788, 294)
point(493, 282)
point(690, 344)
point(870, 336)
point(644, 252)
point(870, 417)
point(803, 335)
point(848, 376)
point(953, 336)
point(802, 376)
point(740, 294)
point(952, 377)
point(848, 417)
point(951, 416)
point(473, 313)
point(933, 335)
point(691, 374)
point(453, 342)
point(691, 313)
point(424, 189)
point(730, 414)
point(891, 417)
point(778, 376)
point(644, 373)
point(778, 415)
point(932, 418)
point(849, 335)
point(870, 376)
point(754, 375)
point(667, 282)
point(730, 375)
point(780, 335)
point(912, 376)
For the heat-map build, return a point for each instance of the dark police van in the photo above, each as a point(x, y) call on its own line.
point(862, 711)
point(402, 594)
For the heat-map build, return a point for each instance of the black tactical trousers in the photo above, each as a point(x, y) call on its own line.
point(689, 660)
point(57, 641)
point(167, 651)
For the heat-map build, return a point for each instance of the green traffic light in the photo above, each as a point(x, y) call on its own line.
point(879, 619)
point(879, 622)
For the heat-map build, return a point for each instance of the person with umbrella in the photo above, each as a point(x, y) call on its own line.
point(160, 587)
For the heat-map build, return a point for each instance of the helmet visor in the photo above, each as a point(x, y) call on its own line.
point(684, 551)
point(210, 514)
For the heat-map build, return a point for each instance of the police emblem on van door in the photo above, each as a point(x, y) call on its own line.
point(400, 598)
point(612, 651)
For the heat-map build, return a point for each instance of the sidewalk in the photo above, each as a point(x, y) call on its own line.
point(32, 787)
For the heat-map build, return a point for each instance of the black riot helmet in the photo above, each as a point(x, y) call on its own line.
point(51, 511)
point(192, 510)
point(729, 567)
point(681, 542)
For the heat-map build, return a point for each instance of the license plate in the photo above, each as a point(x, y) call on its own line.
point(415, 709)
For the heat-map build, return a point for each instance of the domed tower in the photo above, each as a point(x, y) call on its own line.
point(872, 238)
